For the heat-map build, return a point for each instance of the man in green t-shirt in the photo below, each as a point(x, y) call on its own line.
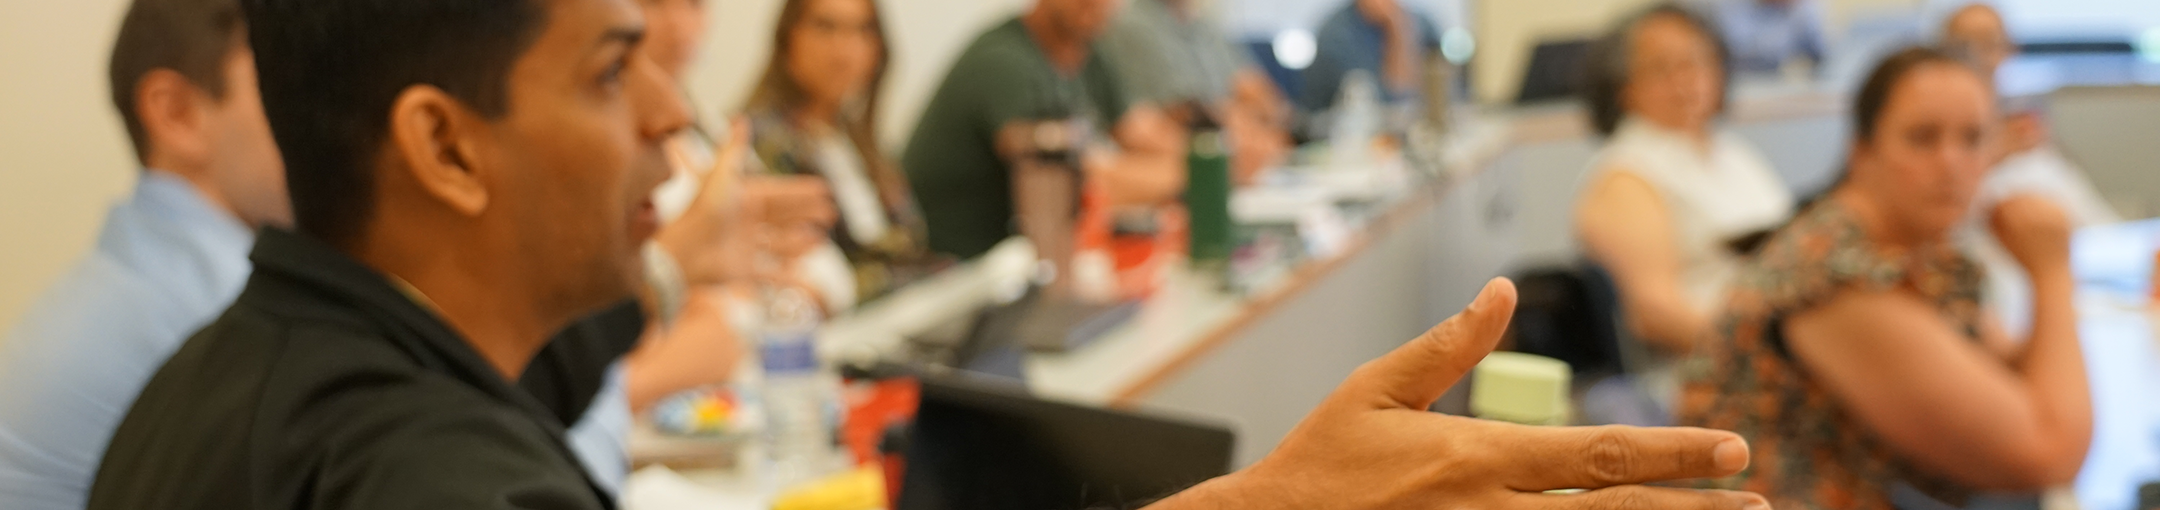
point(1040, 65)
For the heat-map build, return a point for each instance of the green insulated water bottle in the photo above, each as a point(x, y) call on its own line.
point(1207, 193)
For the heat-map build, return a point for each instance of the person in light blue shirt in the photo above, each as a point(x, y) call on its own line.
point(1380, 37)
point(170, 256)
point(175, 253)
point(1766, 34)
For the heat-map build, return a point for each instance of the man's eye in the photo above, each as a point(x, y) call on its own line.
point(612, 75)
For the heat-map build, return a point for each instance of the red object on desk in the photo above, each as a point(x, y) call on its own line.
point(1139, 262)
point(873, 408)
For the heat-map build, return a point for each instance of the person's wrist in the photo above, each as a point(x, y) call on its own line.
point(2051, 277)
point(1232, 491)
point(1401, 26)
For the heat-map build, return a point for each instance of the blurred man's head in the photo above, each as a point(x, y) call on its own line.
point(673, 31)
point(1977, 31)
point(183, 81)
point(1082, 20)
point(1379, 11)
point(514, 142)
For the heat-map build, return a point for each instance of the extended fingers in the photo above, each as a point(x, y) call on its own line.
point(1416, 374)
point(1637, 497)
point(1599, 457)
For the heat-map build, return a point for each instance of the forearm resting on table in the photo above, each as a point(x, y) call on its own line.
point(1133, 178)
point(644, 382)
point(1663, 319)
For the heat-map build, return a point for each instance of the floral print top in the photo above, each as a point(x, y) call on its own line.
point(1809, 452)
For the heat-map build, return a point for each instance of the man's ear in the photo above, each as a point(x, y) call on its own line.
point(434, 134)
point(171, 111)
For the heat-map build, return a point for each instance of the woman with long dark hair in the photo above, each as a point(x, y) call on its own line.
point(814, 112)
point(1854, 354)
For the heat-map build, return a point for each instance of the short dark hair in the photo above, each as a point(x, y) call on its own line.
point(331, 69)
point(190, 37)
point(1610, 61)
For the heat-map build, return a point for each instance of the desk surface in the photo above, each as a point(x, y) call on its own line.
point(2122, 357)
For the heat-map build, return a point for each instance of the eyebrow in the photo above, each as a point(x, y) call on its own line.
point(628, 36)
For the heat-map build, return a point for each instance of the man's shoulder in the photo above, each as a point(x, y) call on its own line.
point(96, 334)
point(98, 299)
point(429, 442)
point(304, 408)
point(1004, 49)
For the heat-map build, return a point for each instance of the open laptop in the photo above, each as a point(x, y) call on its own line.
point(1555, 72)
point(984, 446)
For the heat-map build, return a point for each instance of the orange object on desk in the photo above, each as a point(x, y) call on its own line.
point(873, 408)
point(1140, 262)
point(2155, 290)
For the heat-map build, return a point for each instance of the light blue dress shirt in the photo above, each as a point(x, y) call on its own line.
point(166, 263)
point(601, 438)
point(1763, 37)
point(1348, 42)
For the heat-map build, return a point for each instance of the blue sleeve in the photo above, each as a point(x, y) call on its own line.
point(1431, 32)
point(602, 438)
point(1811, 34)
point(1332, 59)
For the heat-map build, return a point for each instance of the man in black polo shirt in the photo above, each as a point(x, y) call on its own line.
point(467, 177)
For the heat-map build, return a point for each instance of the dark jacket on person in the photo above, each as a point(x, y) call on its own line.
point(327, 387)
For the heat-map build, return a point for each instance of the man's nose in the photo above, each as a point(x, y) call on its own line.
point(657, 100)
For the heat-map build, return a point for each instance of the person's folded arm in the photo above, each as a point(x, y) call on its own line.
point(1943, 400)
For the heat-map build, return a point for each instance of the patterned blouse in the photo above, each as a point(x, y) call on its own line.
point(895, 259)
point(1809, 452)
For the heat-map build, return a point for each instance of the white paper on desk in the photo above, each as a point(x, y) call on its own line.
point(660, 488)
point(1275, 204)
point(1324, 230)
point(2119, 257)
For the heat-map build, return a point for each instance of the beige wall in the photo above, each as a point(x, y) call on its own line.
point(63, 154)
point(1508, 29)
point(64, 157)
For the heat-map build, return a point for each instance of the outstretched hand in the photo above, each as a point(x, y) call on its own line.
point(1372, 445)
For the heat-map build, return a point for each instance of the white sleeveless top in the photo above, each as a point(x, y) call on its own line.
point(1712, 198)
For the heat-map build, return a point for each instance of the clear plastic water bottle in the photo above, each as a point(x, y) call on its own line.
point(801, 398)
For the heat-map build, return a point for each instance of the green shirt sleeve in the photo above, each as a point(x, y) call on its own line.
point(1138, 56)
point(1111, 99)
